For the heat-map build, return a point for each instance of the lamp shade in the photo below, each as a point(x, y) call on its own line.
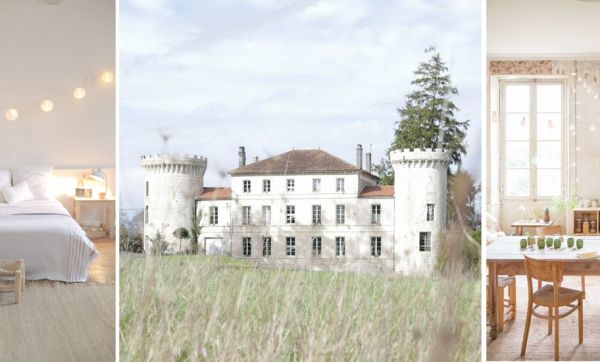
point(98, 175)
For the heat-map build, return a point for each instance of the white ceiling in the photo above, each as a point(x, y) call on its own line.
point(542, 28)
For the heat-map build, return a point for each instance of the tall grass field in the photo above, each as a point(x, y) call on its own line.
point(190, 308)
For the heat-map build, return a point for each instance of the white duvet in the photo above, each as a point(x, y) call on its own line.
point(43, 233)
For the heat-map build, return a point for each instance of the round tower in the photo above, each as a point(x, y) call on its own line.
point(171, 185)
point(420, 197)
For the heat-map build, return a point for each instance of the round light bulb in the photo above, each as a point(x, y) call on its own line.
point(107, 77)
point(593, 128)
point(47, 105)
point(596, 96)
point(79, 93)
point(12, 114)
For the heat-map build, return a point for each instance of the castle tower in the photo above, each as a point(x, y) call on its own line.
point(420, 197)
point(172, 183)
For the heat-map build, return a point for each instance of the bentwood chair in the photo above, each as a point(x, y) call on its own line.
point(544, 231)
point(551, 296)
point(506, 308)
point(14, 269)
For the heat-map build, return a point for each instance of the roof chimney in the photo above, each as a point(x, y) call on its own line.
point(242, 155)
point(368, 161)
point(254, 159)
point(359, 156)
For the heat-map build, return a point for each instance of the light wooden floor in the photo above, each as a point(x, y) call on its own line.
point(102, 269)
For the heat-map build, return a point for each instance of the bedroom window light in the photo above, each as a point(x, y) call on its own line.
point(532, 118)
point(290, 246)
point(247, 246)
point(290, 214)
point(246, 215)
point(316, 214)
point(247, 186)
point(316, 184)
point(340, 214)
point(291, 185)
point(316, 246)
point(376, 246)
point(340, 246)
point(214, 215)
point(266, 211)
point(339, 185)
point(266, 186)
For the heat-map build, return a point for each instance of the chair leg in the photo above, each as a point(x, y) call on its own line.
point(500, 309)
point(556, 334)
point(580, 317)
point(583, 285)
point(550, 320)
point(526, 331)
point(512, 296)
point(539, 284)
point(17, 286)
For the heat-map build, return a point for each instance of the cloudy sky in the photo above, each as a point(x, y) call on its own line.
point(271, 75)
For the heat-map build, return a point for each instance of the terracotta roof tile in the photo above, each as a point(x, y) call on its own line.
point(297, 162)
point(377, 191)
point(215, 193)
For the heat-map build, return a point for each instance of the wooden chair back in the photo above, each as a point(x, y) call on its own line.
point(548, 230)
point(544, 270)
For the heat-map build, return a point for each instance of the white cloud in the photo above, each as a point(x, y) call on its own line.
point(336, 11)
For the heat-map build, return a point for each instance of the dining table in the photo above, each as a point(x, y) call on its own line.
point(504, 256)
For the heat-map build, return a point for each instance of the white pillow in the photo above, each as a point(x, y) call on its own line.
point(17, 193)
point(38, 179)
point(5, 177)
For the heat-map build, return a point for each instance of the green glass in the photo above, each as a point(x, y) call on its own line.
point(523, 243)
point(541, 244)
point(549, 242)
point(570, 242)
point(579, 243)
point(556, 243)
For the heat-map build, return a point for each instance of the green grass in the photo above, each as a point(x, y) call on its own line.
point(196, 308)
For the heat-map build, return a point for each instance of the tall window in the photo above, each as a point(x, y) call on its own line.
point(340, 214)
point(532, 116)
point(375, 214)
point(316, 184)
point(339, 185)
point(316, 246)
point(290, 246)
point(424, 241)
point(266, 211)
point(430, 212)
point(247, 246)
point(146, 216)
point(266, 246)
point(266, 185)
point(246, 215)
point(290, 214)
point(291, 185)
point(147, 188)
point(376, 246)
point(247, 186)
point(340, 246)
point(316, 214)
point(214, 215)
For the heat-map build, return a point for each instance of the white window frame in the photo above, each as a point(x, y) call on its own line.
point(340, 246)
point(247, 246)
point(266, 212)
point(290, 214)
point(317, 246)
point(213, 212)
point(430, 212)
point(375, 214)
point(246, 186)
point(425, 245)
point(340, 214)
point(317, 214)
point(376, 246)
point(532, 82)
point(316, 185)
point(267, 245)
point(291, 185)
point(266, 186)
point(339, 184)
point(246, 215)
point(290, 246)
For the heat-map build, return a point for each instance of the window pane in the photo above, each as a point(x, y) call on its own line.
point(549, 126)
point(517, 182)
point(548, 154)
point(548, 182)
point(517, 127)
point(517, 98)
point(549, 98)
point(517, 154)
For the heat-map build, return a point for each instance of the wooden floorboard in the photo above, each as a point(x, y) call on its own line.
point(102, 269)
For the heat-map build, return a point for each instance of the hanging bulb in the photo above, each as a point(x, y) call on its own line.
point(585, 84)
point(579, 78)
point(11, 115)
point(593, 128)
point(596, 96)
point(589, 91)
point(47, 105)
point(577, 148)
point(107, 77)
point(79, 93)
point(523, 122)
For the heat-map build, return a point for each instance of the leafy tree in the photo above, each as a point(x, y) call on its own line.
point(196, 231)
point(181, 233)
point(385, 171)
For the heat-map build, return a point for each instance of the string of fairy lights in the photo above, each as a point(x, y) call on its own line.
point(11, 112)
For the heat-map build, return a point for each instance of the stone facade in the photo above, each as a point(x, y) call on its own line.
point(360, 226)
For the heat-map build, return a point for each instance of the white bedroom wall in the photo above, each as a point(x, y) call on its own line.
point(47, 51)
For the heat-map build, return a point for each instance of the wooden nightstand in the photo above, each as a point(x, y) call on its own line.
point(108, 226)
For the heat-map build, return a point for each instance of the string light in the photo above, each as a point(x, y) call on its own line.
point(593, 128)
point(79, 93)
point(107, 77)
point(12, 114)
point(47, 105)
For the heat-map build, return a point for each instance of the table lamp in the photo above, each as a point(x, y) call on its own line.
point(99, 175)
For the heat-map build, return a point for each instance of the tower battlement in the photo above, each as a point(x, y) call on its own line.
point(174, 163)
point(423, 156)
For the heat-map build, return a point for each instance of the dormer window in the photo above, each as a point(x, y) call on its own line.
point(247, 186)
point(291, 185)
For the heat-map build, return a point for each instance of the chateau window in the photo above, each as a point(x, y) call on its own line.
point(247, 246)
point(290, 185)
point(146, 215)
point(340, 246)
point(532, 120)
point(316, 214)
point(290, 215)
point(290, 246)
point(316, 184)
point(339, 185)
point(316, 246)
point(376, 214)
point(247, 186)
point(430, 208)
point(246, 215)
point(266, 246)
point(424, 241)
point(340, 214)
point(376, 246)
point(147, 188)
point(266, 185)
point(266, 211)
point(214, 215)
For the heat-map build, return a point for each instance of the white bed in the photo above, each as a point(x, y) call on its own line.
point(43, 233)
